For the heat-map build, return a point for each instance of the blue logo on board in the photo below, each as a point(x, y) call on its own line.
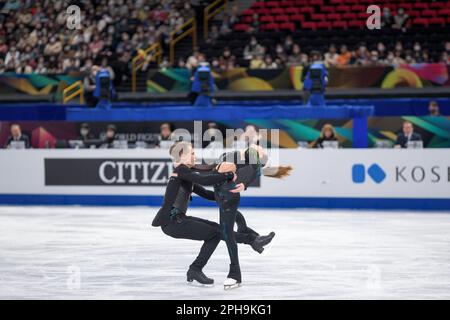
point(375, 172)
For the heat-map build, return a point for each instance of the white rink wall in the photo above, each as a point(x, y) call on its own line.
point(343, 174)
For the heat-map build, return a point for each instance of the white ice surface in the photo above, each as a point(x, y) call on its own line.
point(316, 254)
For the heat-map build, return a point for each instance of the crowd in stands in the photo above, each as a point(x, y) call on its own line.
point(34, 36)
point(288, 52)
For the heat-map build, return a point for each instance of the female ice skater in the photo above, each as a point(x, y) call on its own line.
point(249, 163)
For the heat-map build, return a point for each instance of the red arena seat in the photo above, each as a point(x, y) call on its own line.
point(333, 16)
point(248, 12)
point(428, 13)
point(356, 24)
point(436, 21)
point(327, 9)
point(272, 4)
point(298, 18)
point(287, 26)
point(309, 26)
point(343, 8)
point(323, 25)
point(339, 24)
point(267, 19)
point(270, 27)
point(258, 4)
point(292, 11)
point(348, 16)
point(420, 6)
point(420, 22)
point(318, 17)
point(307, 10)
point(282, 19)
point(287, 4)
point(240, 27)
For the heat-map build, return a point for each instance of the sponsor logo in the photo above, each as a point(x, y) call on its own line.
point(104, 172)
point(375, 172)
point(401, 174)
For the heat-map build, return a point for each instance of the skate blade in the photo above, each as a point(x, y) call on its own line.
point(197, 284)
point(233, 286)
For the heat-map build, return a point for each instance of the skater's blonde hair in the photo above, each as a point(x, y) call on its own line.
point(178, 149)
point(279, 172)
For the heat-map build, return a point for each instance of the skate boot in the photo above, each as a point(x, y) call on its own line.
point(261, 241)
point(231, 283)
point(198, 276)
point(234, 279)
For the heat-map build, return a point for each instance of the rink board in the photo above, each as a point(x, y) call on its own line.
point(350, 178)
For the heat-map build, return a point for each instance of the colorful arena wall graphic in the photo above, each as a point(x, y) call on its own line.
point(242, 79)
point(37, 84)
point(435, 131)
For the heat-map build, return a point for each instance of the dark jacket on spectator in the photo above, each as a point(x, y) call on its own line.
point(23, 138)
point(318, 143)
point(402, 140)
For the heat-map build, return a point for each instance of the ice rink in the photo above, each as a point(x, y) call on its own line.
point(113, 253)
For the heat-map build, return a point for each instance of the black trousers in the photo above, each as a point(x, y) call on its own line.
point(243, 228)
point(228, 207)
point(193, 228)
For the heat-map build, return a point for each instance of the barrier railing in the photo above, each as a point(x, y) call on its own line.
point(210, 12)
point(189, 28)
point(72, 91)
point(155, 52)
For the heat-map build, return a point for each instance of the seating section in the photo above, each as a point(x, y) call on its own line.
point(294, 15)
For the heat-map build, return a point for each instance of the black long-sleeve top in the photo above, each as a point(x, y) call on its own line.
point(179, 190)
point(247, 169)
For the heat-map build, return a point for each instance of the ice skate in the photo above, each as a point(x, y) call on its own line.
point(198, 276)
point(261, 241)
point(231, 283)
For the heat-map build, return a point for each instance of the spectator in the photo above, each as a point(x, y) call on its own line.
point(296, 57)
point(165, 132)
point(445, 58)
point(407, 135)
point(254, 26)
point(381, 48)
point(110, 136)
point(234, 16)
point(253, 49)
point(257, 61)
point(344, 57)
point(227, 60)
point(433, 109)
point(374, 58)
point(288, 45)
point(85, 133)
point(187, 12)
point(327, 133)
point(401, 19)
point(331, 56)
point(387, 21)
point(16, 136)
point(269, 63)
point(226, 25)
point(361, 56)
point(213, 35)
point(89, 84)
point(280, 55)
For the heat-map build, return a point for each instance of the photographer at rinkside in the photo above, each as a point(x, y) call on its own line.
point(17, 136)
point(407, 135)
